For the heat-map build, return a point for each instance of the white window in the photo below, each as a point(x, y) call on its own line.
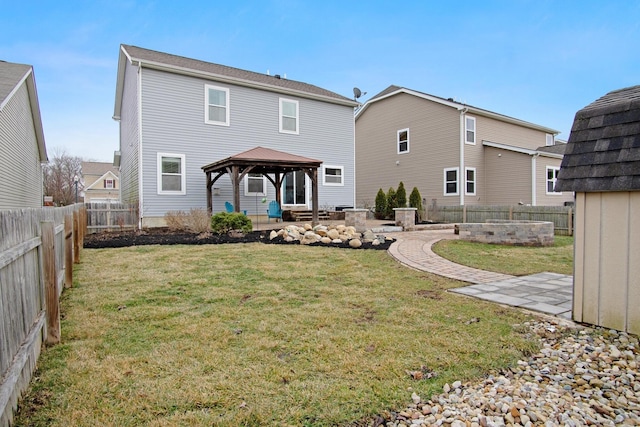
point(255, 184)
point(216, 105)
point(550, 140)
point(108, 183)
point(171, 174)
point(470, 130)
point(403, 141)
point(289, 122)
point(333, 175)
point(451, 182)
point(552, 177)
point(470, 181)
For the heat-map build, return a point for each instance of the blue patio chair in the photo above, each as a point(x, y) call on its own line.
point(274, 211)
point(229, 207)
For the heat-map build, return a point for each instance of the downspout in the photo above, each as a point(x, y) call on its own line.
point(354, 158)
point(140, 165)
point(462, 139)
point(533, 179)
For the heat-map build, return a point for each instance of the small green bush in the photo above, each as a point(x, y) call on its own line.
point(415, 201)
point(224, 222)
point(381, 205)
point(401, 196)
point(392, 202)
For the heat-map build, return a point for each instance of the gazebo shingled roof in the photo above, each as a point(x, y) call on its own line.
point(265, 161)
point(603, 152)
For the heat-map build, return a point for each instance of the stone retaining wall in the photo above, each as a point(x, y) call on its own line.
point(506, 232)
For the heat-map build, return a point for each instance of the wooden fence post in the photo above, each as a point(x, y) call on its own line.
point(50, 283)
point(76, 237)
point(570, 222)
point(68, 251)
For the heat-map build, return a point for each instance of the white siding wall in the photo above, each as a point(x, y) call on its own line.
point(173, 122)
point(129, 138)
point(20, 169)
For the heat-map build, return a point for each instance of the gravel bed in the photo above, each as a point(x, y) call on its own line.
point(580, 377)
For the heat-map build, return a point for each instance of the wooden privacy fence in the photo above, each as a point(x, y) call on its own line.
point(37, 250)
point(561, 216)
point(111, 217)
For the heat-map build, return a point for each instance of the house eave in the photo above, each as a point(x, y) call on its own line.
point(459, 106)
point(521, 150)
point(226, 79)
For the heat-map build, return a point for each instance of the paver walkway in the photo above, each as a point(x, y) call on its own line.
point(549, 293)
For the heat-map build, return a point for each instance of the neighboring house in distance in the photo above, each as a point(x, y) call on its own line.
point(100, 182)
point(22, 147)
point(602, 166)
point(455, 154)
point(178, 114)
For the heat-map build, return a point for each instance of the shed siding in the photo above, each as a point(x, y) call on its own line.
point(20, 168)
point(129, 138)
point(607, 285)
point(507, 177)
point(173, 122)
point(434, 144)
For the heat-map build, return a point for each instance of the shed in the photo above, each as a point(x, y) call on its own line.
point(602, 166)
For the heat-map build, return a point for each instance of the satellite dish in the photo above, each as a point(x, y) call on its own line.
point(357, 93)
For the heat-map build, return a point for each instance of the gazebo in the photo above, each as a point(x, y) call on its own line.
point(273, 164)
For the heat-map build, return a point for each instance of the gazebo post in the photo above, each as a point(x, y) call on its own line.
point(209, 195)
point(235, 183)
point(313, 174)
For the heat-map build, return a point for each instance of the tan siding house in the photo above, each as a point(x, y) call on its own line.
point(455, 154)
point(22, 147)
point(100, 182)
point(602, 165)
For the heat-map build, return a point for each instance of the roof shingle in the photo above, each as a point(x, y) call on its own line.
point(603, 152)
point(182, 63)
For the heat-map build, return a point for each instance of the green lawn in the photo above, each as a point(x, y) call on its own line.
point(514, 260)
point(255, 335)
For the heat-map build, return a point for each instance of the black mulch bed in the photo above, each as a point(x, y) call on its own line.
point(162, 236)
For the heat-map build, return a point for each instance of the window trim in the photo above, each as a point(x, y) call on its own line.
point(549, 137)
point(332, 184)
point(280, 115)
point(466, 130)
point(556, 170)
point(206, 105)
point(466, 181)
point(183, 174)
point(457, 170)
point(398, 140)
point(252, 193)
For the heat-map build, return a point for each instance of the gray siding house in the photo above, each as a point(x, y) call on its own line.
point(455, 154)
point(22, 147)
point(179, 114)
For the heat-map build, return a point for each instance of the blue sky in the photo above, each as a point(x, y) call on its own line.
point(539, 61)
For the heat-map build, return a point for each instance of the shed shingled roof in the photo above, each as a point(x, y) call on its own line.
point(603, 152)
